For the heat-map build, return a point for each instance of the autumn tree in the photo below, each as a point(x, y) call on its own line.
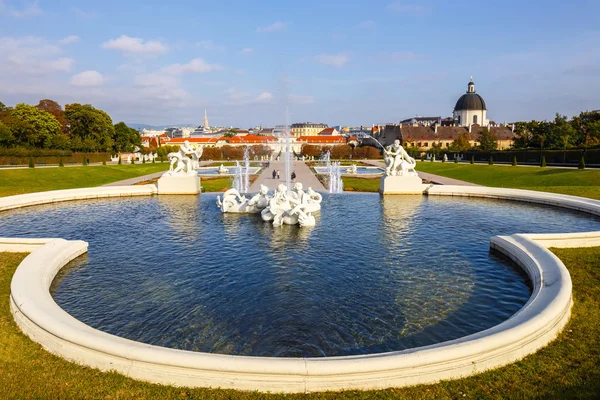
point(91, 126)
point(311, 150)
point(342, 151)
point(461, 143)
point(260, 150)
point(55, 109)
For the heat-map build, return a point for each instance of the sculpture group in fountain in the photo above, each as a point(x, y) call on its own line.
point(397, 161)
point(234, 202)
point(295, 207)
point(222, 169)
point(352, 169)
point(181, 164)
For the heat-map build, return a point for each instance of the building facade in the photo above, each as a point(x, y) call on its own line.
point(307, 128)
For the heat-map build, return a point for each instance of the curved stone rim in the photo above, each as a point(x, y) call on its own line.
point(533, 326)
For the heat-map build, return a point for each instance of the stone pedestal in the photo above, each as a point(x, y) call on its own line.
point(401, 185)
point(179, 184)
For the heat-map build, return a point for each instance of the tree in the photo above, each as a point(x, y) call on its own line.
point(311, 150)
point(125, 138)
point(582, 162)
point(514, 161)
point(52, 107)
point(342, 151)
point(487, 140)
point(461, 143)
point(3, 107)
point(94, 127)
point(7, 139)
point(543, 162)
point(31, 164)
point(40, 127)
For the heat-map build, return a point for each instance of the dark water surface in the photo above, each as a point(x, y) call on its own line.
point(374, 275)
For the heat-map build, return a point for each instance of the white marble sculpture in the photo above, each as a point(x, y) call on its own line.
point(398, 162)
point(234, 202)
point(196, 155)
point(352, 169)
point(181, 164)
point(222, 169)
point(283, 209)
point(310, 199)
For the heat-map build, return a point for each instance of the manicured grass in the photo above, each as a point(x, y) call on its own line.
point(567, 368)
point(361, 184)
point(28, 180)
point(216, 184)
point(571, 181)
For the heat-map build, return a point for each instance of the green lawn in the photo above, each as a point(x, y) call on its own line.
point(567, 368)
point(216, 184)
point(28, 180)
point(361, 184)
point(571, 181)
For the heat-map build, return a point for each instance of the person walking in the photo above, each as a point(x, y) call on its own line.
point(293, 176)
point(274, 174)
point(277, 174)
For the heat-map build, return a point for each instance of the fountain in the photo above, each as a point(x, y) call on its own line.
point(241, 179)
point(334, 172)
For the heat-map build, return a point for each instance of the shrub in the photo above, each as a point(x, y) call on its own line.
point(472, 159)
point(543, 163)
point(60, 163)
point(456, 160)
point(103, 162)
point(31, 164)
point(443, 158)
point(133, 160)
point(514, 163)
point(491, 160)
point(143, 160)
point(432, 157)
point(422, 157)
point(581, 162)
point(84, 162)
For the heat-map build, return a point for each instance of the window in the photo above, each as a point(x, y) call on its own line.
point(447, 144)
point(474, 119)
point(426, 144)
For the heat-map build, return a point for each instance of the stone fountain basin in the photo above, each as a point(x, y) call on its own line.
point(535, 325)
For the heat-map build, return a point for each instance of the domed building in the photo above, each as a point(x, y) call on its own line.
point(470, 108)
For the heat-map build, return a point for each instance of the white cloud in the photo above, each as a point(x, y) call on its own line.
point(131, 45)
point(30, 10)
point(209, 45)
point(196, 65)
point(275, 26)
point(69, 39)
point(31, 55)
point(264, 97)
point(333, 60)
point(247, 50)
point(64, 64)
point(409, 8)
point(87, 79)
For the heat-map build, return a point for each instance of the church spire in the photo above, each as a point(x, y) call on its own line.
point(206, 126)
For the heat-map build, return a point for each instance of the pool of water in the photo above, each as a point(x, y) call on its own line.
point(359, 170)
point(212, 171)
point(374, 275)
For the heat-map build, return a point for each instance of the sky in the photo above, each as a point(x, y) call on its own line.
point(339, 62)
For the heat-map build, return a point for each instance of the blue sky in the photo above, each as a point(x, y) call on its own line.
point(338, 62)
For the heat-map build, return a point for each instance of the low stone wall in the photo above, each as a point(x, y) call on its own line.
point(536, 324)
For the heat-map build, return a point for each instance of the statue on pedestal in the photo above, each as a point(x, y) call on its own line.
point(180, 162)
point(397, 161)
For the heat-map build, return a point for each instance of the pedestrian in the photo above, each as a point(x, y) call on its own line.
point(274, 174)
point(277, 174)
point(293, 176)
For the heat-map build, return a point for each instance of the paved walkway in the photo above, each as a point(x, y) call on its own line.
point(303, 175)
point(440, 180)
point(133, 181)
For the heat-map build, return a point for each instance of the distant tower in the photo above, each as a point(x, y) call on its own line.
point(206, 126)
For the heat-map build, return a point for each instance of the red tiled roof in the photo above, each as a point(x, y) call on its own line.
point(327, 131)
point(193, 140)
point(322, 139)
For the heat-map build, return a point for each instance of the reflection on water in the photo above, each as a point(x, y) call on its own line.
point(375, 274)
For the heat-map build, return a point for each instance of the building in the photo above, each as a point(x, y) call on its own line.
point(424, 137)
point(424, 121)
point(307, 129)
point(470, 108)
point(329, 132)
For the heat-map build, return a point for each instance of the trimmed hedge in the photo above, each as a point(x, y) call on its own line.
point(17, 157)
